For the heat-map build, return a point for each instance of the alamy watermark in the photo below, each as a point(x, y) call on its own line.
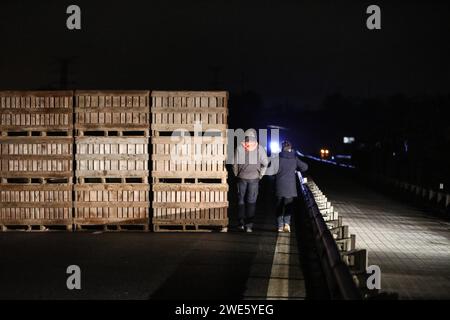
point(74, 280)
point(374, 280)
point(373, 22)
point(214, 146)
point(73, 21)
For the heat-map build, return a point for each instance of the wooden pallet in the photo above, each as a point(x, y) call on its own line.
point(37, 225)
point(36, 178)
point(188, 110)
point(189, 226)
point(187, 178)
point(113, 132)
point(113, 227)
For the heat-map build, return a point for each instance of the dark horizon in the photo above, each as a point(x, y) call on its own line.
point(280, 60)
point(286, 52)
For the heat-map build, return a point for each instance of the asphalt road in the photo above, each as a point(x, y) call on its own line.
point(142, 265)
point(129, 265)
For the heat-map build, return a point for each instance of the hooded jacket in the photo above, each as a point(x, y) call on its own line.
point(285, 179)
point(250, 161)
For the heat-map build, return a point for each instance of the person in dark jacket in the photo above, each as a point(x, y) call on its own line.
point(285, 185)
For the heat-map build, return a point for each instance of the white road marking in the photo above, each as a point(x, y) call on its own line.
point(279, 287)
point(277, 276)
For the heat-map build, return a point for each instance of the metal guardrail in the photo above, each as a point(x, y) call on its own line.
point(437, 198)
point(333, 245)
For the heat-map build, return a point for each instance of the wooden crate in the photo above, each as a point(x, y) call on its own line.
point(193, 159)
point(112, 204)
point(36, 158)
point(189, 207)
point(36, 112)
point(172, 110)
point(30, 205)
point(112, 113)
point(112, 142)
point(105, 158)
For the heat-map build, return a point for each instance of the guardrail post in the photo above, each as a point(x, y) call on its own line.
point(424, 192)
point(418, 190)
point(440, 197)
point(431, 194)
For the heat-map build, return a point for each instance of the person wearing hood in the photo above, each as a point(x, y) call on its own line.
point(250, 165)
point(286, 186)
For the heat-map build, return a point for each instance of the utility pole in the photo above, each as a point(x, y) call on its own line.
point(63, 68)
point(215, 80)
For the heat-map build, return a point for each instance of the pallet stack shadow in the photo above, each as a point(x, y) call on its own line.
point(112, 136)
point(188, 161)
point(36, 160)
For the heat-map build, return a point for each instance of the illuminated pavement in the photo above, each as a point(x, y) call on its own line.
point(134, 265)
point(411, 247)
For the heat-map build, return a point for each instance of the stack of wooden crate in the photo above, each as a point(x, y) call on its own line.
point(112, 141)
point(189, 147)
point(36, 159)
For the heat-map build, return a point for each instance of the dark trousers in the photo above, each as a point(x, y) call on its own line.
point(247, 195)
point(284, 211)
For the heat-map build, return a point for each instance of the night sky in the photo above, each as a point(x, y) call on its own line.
point(287, 52)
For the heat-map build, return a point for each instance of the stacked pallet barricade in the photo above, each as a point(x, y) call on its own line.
point(188, 161)
point(36, 160)
point(112, 136)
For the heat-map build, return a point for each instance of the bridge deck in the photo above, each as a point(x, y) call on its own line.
point(133, 265)
point(411, 247)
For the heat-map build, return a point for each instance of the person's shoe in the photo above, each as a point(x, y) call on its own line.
point(280, 229)
point(287, 228)
point(248, 229)
point(241, 227)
